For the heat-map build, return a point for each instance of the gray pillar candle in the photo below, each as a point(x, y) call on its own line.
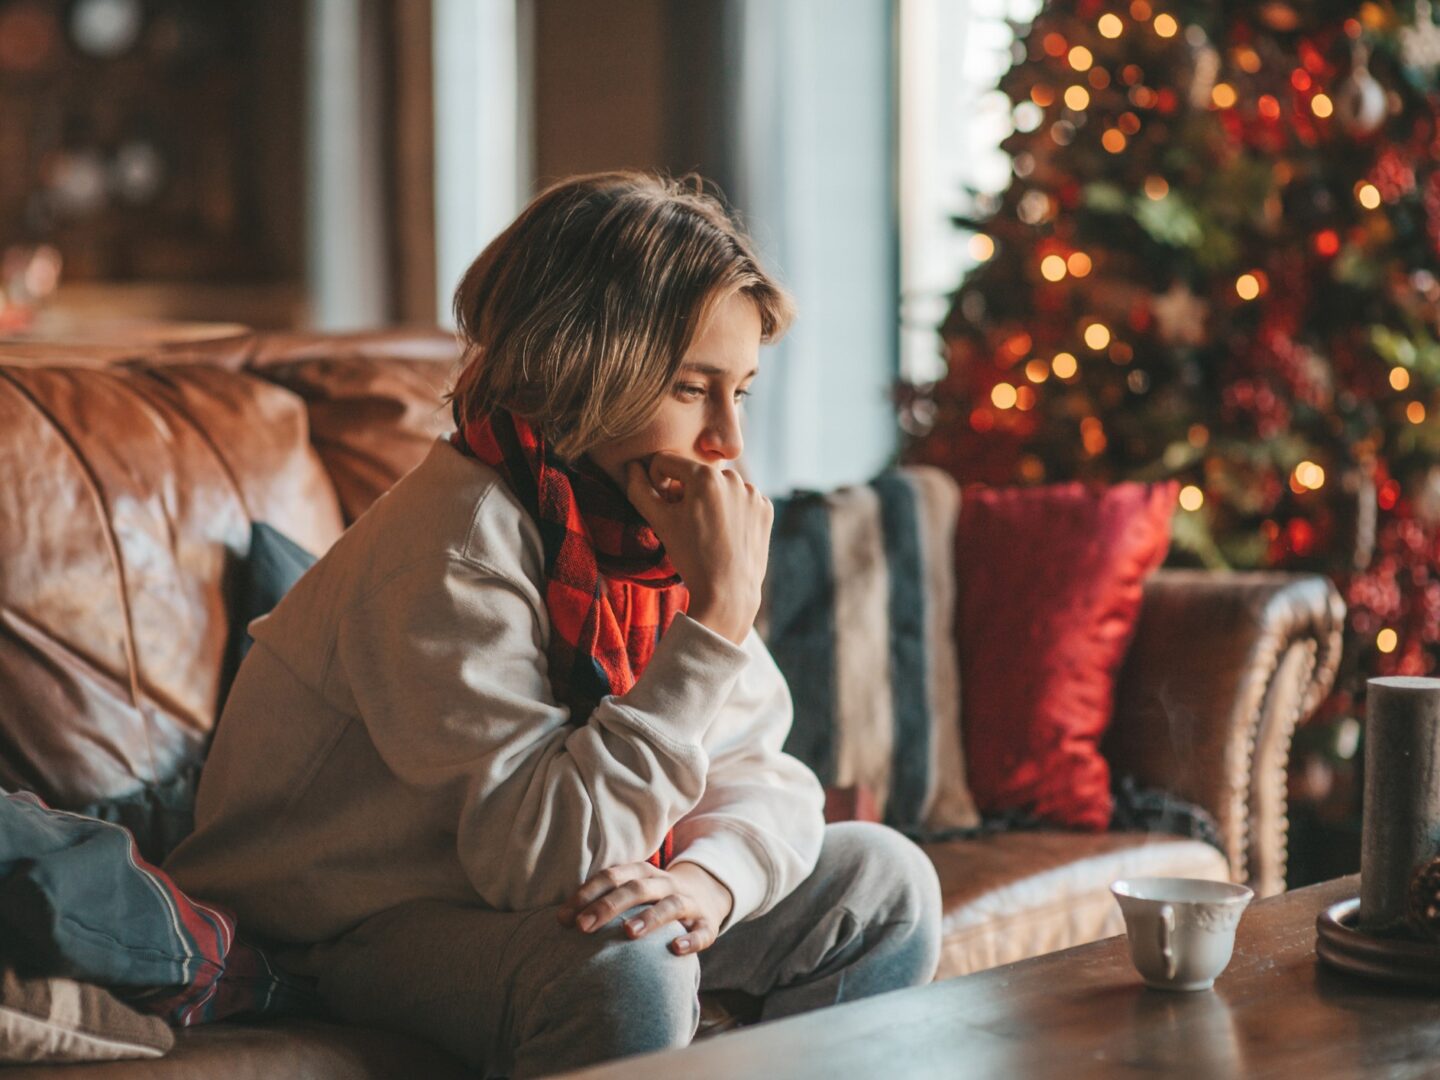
point(1401, 825)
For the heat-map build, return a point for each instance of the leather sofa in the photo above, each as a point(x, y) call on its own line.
point(129, 476)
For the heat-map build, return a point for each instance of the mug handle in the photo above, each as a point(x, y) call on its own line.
point(1166, 923)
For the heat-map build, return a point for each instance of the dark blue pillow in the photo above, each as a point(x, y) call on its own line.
point(274, 565)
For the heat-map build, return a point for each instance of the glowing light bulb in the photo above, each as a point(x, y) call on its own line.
point(1309, 476)
point(1191, 498)
point(1268, 106)
point(1037, 371)
point(1415, 412)
point(1223, 95)
point(1064, 365)
point(1097, 336)
point(1387, 640)
point(1081, 58)
point(1322, 106)
point(1156, 187)
point(1110, 26)
point(1078, 264)
point(1165, 25)
point(1247, 286)
point(1077, 98)
point(1368, 195)
point(1052, 268)
point(1399, 379)
point(1003, 396)
point(981, 247)
point(1113, 140)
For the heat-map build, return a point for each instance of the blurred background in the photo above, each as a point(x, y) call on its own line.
point(1102, 240)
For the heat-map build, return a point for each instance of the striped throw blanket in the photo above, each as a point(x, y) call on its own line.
point(858, 608)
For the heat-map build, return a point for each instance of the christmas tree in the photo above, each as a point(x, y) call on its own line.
point(1218, 259)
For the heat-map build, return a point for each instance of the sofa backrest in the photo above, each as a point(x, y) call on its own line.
point(128, 485)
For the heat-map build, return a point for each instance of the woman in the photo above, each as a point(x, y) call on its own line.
point(504, 769)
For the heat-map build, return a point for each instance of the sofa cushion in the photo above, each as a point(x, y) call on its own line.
point(125, 495)
point(1009, 896)
point(857, 609)
point(1050, 584)
point(53, 1020)
point(376, 401)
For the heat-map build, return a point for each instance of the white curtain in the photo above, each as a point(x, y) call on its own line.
point(812, 153)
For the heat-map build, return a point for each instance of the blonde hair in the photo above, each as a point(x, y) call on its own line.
point(578, 315)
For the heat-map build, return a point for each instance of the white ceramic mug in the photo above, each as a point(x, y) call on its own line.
point(1181, 930)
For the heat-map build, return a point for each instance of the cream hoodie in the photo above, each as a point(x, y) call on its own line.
point(392, 735)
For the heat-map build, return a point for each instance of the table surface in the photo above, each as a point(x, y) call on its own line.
point(1276, 1011)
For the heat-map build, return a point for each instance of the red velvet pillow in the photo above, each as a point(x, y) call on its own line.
point(1049, 585)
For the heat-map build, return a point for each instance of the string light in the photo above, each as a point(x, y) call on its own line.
point(1078, 264)
point(1327, 242)
point(1387, 640)
point(1399, 379)
point(1322, 106)
point(1166, 26)
point(1113, 140)
point(1024, 398)
point(1037, 371)
point(1247, 59)
point(1081, 58)
point(1042, 95)
point(1367, 194)
point(1140, 10)
point(1415, 412)
point(1064, 365)
point(1110, 26)
point(1129, 123)
point(1099, 78)
point(1191, 498)
point(1308, 477)
point(1223, 95)
point(1052, 268)
point(981, 247)
point(1003, 396)
point(1156, 187)
point(1055, 45)
point(1077, 98)
point(1300, 79)
point(1097, 336)
point(1247, 286)
point(1092, 435)
point(1268, 106)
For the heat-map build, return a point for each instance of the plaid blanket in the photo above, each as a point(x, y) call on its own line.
point(78, 900)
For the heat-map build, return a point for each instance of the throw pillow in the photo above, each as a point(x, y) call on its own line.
point(58, 1020)
point(1050, 583)
point(78, 901)
point(857, 611)
point(275, 563)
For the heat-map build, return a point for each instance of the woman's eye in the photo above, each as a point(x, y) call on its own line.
point(690, 391)
point(741, 395)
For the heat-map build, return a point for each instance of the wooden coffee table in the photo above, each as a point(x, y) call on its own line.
point(1082, 1012)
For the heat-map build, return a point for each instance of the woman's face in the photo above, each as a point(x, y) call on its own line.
point(699, 418)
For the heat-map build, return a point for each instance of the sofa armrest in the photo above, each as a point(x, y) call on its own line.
point(1222, 668)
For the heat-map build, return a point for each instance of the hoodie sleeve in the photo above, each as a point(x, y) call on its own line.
point(758, 825)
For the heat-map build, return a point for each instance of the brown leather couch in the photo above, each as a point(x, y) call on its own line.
point(129, 477)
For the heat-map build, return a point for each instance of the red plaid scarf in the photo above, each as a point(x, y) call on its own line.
point(609, 589)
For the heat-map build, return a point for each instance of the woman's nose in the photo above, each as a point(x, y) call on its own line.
point(721, 437)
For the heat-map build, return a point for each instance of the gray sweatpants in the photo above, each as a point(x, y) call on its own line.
point(518, 994)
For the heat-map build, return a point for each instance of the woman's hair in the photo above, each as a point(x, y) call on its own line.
point(577, 316)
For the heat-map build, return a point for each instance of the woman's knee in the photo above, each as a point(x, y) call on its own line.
point(636, 995)
point(887, 877)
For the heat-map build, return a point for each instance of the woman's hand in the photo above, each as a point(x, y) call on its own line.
point(685, 893)
point(716, 530)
